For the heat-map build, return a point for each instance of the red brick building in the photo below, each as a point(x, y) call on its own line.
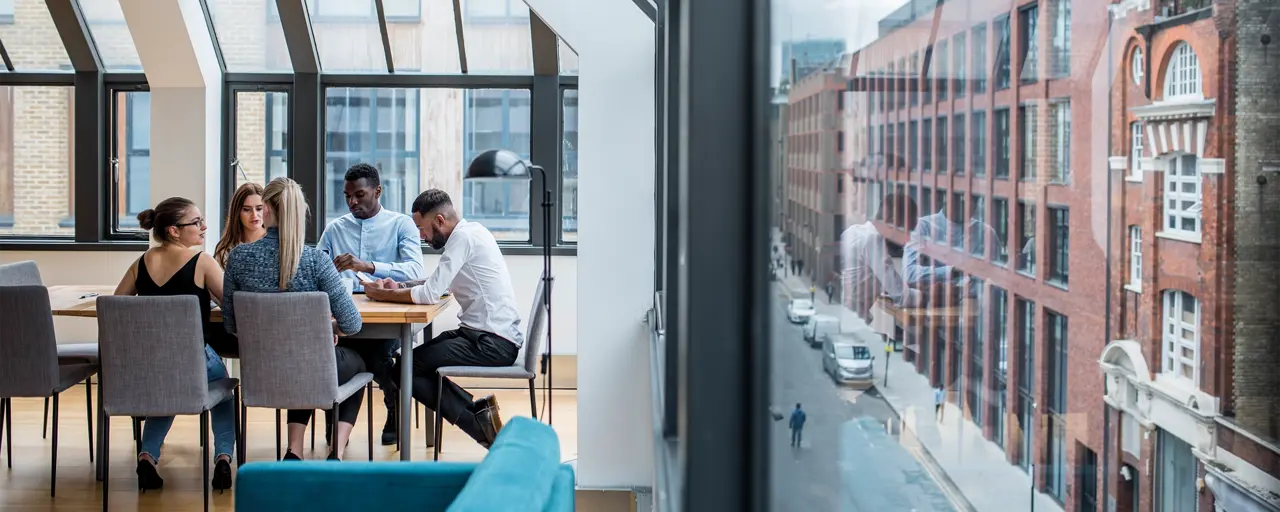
point(987, 115)
point(814, 189)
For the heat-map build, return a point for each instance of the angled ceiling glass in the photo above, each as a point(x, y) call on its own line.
point(348, 36)
point(250, 35)
point(422, 36)
point(110, 35)
point(497, 36)
point(31, 39)
point(568, 59)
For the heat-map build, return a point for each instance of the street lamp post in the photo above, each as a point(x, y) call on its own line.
point(887, 352)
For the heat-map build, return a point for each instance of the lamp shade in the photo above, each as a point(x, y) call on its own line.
point(499, 164)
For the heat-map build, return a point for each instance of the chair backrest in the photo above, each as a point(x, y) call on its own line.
point(286, 350)
point(533, 336)
point(28, 347)
point(22, 273)
point(152, 355)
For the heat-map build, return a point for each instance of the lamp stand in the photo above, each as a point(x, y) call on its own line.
point(548, 204)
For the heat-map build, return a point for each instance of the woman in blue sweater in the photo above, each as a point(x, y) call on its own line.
point(281, 262)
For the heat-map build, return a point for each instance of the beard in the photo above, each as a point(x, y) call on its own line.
point(437, 242)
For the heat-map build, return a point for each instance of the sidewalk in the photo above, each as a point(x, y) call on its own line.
point(972, 465)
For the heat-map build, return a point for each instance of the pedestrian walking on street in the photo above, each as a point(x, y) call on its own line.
point(811, 289)
point(938, 398)
point(797, 426)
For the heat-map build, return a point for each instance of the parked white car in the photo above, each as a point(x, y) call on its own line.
point(819, 326)
point(800, 310)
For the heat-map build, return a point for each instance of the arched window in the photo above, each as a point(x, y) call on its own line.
point(1182, 77)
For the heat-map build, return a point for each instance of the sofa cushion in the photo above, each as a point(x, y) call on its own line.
point(321, 486)
point(517, 474)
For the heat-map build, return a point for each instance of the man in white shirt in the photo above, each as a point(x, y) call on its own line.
point(472, 268)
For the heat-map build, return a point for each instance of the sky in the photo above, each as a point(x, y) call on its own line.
point(856, 21)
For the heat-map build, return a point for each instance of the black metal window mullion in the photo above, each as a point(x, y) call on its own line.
point(546, 132)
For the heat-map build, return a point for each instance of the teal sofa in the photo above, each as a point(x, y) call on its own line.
point(522, 472)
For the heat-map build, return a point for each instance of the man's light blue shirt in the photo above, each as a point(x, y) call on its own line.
point(388, 241)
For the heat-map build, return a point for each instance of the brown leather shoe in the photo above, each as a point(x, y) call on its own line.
point(489, 417)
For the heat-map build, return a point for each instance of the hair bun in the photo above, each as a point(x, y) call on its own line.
point(146, 219)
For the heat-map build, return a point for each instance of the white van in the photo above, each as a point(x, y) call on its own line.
point(819, 325)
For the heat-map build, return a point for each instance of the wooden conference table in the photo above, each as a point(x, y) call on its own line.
point(382, 320)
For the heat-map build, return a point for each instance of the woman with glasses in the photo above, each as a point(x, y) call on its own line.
point(281, 262)
point(177, 266)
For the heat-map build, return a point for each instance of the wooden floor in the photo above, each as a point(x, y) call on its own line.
point(26, 486)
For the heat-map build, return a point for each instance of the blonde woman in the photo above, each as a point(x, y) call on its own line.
point(244, 221)
point(281, 262)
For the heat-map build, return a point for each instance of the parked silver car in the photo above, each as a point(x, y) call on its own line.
point(846, 360)
point(819, 326)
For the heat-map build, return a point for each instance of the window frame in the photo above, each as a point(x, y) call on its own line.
point(1174, 177)
point(1135, 258)
point(1171, 346)
point(1136, 147)
point(1137, 66)
point(117, 177)
point(1183, 76)
point(1059, 245)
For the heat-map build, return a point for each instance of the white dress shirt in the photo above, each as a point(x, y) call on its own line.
point(473, 269)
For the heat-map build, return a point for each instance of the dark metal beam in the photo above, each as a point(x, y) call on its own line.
point(386, 39)
point(90, 167)
point(4, 53)
point(298, 36)
point(544, 150)
point(546, 60)
point(306, 162)
point(258, 78)
point(457, 30)
point(75, 35)
point(21, 78)
point(424, 80)
point(724, 223)
point(648, 9)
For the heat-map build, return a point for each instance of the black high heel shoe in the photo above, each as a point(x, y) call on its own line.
point(148, 477)
point(222, 475)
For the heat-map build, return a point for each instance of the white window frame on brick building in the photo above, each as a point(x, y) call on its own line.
point(1181, 335)
point(1135, 259)
point(1182, 76)
point(1135, 151)
point(1138, 65)
point(1182, 198)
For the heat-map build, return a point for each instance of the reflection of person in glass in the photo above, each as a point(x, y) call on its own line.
point(869, 270)
point(936, 274)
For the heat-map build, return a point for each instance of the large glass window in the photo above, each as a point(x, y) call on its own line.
point(1060, 131)
point(926, 153)
point(1056, 350)
point(1000, 221)
point(979, 42)
point(497, 36)
point(1182, 77)
point(569, 161)
point(131, 157)
point(1180, 354)
point(1135, 257)
point(1182, 196)
point(1002, 52)
point(978, 226)
point(1135, 150)
point(250, 35)
point(1027, 238)
point(31, 39)
point(979, 139)
point(958, 144)
point(498, 119)
point(1030, 129)
point(960, 49)
point(261, 133)
point(111, 36)
point(35, 161)
point(1061, 65)
point(379, 127)
point(1002, 138)
point(1029, 42)
point(944, 77)
point(943, 136)
point(1059, 245)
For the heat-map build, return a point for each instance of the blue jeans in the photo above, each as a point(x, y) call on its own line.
point(223, 417)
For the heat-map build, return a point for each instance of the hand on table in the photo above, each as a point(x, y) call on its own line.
point(350, 262)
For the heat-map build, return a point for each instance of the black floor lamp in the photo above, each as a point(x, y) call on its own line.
point(500, 164)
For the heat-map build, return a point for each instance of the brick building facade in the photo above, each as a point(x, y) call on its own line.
point(815, 189)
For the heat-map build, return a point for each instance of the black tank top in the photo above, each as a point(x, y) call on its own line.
point(182, 283)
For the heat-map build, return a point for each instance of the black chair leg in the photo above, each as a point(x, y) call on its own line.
point(439, 416)
point(137, 434)
point(88, 414)
point(533, 401)
point(53, 462)
point(369, 413)
point(104, 423)
point(417, 415)
point(8, 425)
point(244, 435)
point(235, 404)
point(44, 426)
point(313, 430)
point(204, 455)
point(4, 406)
point(333, 429)
point(277, 434)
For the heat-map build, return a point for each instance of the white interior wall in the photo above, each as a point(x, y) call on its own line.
point(615, 44)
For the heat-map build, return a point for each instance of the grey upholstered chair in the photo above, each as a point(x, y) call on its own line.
point(27, 273)
point(153, 364)
point(525, 366)
point(29, 365)
point(287, 359)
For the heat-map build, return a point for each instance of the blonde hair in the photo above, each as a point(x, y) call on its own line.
point(284, 197)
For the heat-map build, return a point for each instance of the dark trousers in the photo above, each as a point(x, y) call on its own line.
point(349, 364)
point(796, 436)
point(459, 347)
point(380, 359)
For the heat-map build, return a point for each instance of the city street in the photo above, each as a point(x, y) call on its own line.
point(851, 457)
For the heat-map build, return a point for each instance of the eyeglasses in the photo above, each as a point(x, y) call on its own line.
point(198, 222)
